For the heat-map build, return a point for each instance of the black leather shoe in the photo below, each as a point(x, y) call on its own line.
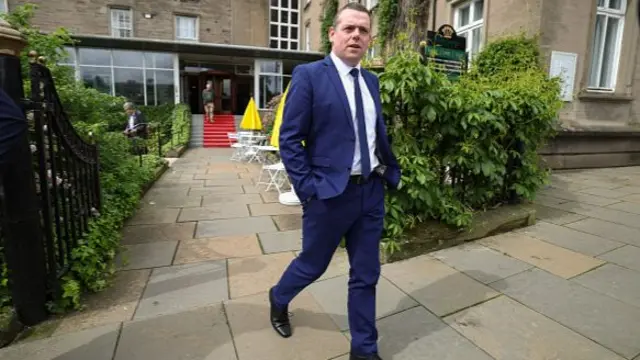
point(279, 318)
point(366, 357)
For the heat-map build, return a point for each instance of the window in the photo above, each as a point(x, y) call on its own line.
point(121, 23)
point(4, 6)
point(142, 77)
point(284, 23)
point(268, 81)
point(370, 4)
point(307, 37)
point(187, 28)
point(468, 23)
point(607, 41)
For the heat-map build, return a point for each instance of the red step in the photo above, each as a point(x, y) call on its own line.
point(217, 134)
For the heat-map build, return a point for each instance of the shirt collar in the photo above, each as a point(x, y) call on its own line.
point(343, 69)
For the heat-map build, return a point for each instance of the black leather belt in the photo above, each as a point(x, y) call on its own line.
point(359, 179)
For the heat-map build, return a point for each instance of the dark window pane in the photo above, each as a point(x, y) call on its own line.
point(294, 4)
point(294, 18)
point(284, 31)
point(164, 87)
point(294, 32)
point(294, 45)
point(274, 2)
point(164, 61)
point(274, 30)
point(130, 84)
point(95, 57)
point(274, 15)
point(283, 45)
point(97, 78)
point(127, 58)
point(284, 16)
point(151, 87)
point(284, 3)
point(273, 44)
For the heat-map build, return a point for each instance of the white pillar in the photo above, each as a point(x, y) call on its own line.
point(176, 78)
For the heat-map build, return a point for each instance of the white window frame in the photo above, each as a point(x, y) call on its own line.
point(288, 24)
point(6, 6)
point(596, 63)
point(116, 28)
point(307, 36)
point(370, 4)
point(196, 25)
point(473, 25)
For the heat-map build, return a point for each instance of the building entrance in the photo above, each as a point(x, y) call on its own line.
point(230, 91)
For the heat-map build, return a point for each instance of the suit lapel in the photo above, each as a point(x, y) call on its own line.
point(332, 72)
point(373, 90)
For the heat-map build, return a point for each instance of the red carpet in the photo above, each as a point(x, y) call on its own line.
point(216, 134)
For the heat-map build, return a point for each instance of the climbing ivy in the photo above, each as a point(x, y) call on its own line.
point(387, 11)
point(328, 14)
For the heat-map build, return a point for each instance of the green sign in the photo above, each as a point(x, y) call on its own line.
point(445, 48)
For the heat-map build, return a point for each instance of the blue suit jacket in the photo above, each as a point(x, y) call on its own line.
point(317, 111)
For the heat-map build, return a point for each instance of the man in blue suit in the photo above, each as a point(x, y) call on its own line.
point(339, 174)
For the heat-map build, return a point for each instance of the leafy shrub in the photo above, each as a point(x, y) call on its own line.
point(467, 145)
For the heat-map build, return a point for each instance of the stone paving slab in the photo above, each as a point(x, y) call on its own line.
point(280, 241)
point(315, 336)
point(216, 190)
point(578, 197)
point(183, 287)
point(222, 199)
point(116, 305)
point(227, 182)
point(438, 287)
point(214, 212)
point(232, 227)
point(611, 215)
point(147, 255)
point(627, 256)
point(552, 258)
point(614, 281)
point(332, 295)
point(570, 239)
point(626, 206)
point(140, 234)
point(154, 216)
point(273, 209)
point(248, 276)
point(510, 331)
point(416, 334)
point(158, 200)
point(96, 344)
point(288, 222)
point(555, 216)
point(607, 321)
point(198, 334)
point(220, 248)
point(609, 230)
point(481, 263)
point(612, 194)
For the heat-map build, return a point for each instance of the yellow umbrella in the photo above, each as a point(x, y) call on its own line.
point(275, 133)
point(251, 118)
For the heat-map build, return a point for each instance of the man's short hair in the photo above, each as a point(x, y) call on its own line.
point(129, 106)
point(351, 6)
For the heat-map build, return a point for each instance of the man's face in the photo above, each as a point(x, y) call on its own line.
point(351, 36)
point(130, 111)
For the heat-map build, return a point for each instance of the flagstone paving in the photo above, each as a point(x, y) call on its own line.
point(205, 246)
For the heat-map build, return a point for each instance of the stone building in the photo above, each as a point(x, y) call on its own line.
point(163, 51)
point(593, 44)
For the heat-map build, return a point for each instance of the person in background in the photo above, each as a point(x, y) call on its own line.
point(137, 124)
point(207, 100)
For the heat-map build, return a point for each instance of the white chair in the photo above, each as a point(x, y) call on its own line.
point(289, 198)
point(277, 176)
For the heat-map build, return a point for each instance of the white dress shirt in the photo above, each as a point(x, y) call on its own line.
point(369, 112)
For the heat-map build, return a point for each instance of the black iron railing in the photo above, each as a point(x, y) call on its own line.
point(67, 175)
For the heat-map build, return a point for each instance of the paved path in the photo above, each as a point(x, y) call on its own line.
point(206, 245)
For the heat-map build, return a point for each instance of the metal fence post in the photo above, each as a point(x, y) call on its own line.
point(24, 249)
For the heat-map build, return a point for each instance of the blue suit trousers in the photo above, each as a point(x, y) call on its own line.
point(358, 215)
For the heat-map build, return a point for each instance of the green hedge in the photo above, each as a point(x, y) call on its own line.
point(472, 127)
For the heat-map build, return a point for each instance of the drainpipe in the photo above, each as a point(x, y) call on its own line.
point(433, 11)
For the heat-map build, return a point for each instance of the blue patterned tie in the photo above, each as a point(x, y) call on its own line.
point(362, 129)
